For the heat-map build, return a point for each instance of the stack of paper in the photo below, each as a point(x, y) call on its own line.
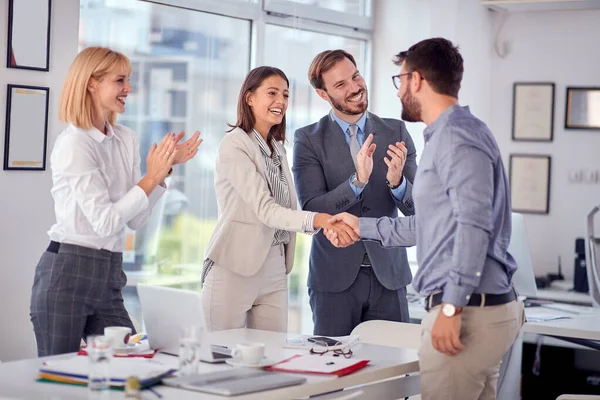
point(75, 370)
point(542, 317)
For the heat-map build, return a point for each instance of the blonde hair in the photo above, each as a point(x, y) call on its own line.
point(75, 105)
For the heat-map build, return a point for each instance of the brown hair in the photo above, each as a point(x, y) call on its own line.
point(75, 105)
point(438, 61)
point(245, 118)
point(323, 62)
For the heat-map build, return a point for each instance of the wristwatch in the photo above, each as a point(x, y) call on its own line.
point(392, 186)
point(358, 183)
point(449, 310)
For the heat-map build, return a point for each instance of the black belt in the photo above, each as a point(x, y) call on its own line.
point(476, 299)
point(53, 247)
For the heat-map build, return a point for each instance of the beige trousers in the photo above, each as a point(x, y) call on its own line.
point(486, 333)
point(231, 301)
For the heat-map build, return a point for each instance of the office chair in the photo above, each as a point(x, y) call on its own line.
point(592, 245)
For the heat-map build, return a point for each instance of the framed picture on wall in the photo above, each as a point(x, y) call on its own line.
point(583, 108)
point(29, 34)
point(529, 176)
point(533, 111)
point(26, 128)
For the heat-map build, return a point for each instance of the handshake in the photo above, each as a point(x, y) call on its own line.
point(341, 230)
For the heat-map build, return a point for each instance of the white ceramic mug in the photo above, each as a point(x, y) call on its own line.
point(118, 336)
point(248, 353)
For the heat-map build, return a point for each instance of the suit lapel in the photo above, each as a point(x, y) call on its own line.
point(380, 138)
point(336, 148)
point(288, 176)
point(257, 155)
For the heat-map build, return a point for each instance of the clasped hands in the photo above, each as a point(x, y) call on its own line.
point(342, 230)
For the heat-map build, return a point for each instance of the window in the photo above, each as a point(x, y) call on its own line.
point(188, 67)
point(347, 6)
point(305, 107)
point(189, 59)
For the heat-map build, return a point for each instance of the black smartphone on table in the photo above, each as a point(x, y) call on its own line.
point(323, 339)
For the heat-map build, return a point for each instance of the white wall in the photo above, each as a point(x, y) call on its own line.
point(560, 47)
point(402, 23)
point(26, 207)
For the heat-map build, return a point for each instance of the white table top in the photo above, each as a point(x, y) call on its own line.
point(564, 296)
point(584, 325)
point(583, 322)
point(17, 379)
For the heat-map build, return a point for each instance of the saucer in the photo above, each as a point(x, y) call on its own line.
point(264, 362)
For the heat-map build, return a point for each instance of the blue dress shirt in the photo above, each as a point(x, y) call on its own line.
point(398, 193)
point(462, 221)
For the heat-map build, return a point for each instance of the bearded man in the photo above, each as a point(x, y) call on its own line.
point(353, 161)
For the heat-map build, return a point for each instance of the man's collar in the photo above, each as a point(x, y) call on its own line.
point(344, 125)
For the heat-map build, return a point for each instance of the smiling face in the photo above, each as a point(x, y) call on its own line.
point(345, 89)
point(269, 103)
point(110, 93)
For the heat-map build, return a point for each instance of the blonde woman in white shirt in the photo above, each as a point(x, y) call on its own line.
point(252, 247)
point(98, 190)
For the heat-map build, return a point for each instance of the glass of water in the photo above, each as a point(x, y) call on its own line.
point(190, 342)
point(99, 356)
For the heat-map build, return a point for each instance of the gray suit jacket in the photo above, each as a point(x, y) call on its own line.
point(322, 166)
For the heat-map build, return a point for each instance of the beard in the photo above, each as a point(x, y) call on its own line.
point(411, 108)
point(351, 108)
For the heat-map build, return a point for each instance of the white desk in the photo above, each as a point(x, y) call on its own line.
point(17, 379)
point(560, 291)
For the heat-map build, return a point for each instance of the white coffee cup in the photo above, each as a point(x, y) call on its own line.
point(248, 353)
point(118, 336)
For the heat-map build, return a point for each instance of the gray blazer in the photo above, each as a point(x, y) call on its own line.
point(322, 166)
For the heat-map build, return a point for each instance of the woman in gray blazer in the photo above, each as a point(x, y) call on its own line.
point(252, 247)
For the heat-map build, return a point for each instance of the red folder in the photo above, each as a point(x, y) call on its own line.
point(346, 365)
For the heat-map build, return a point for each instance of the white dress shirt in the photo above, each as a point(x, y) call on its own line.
point(95, 188)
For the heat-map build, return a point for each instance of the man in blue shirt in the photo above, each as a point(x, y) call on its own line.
point(461, 226)
point(352, 160)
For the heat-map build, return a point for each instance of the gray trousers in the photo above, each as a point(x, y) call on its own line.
point(337, 314)
point(76, 292)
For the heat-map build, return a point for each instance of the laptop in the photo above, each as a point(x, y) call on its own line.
point(166, 311)
point(235, 381)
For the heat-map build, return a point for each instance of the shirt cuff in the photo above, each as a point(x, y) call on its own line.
point(398, 193)
point(132, 203)
point(309, 224)
point(457, 295)
point(357, 191)
point(368, 228)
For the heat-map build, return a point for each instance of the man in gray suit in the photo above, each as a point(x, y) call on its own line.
point(351, 160)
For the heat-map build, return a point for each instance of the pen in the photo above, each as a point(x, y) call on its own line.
point(154, 392)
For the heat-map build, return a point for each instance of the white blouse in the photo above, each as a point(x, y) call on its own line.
point(95, 188)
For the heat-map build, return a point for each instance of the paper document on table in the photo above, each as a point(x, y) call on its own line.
point(542, 317)
point(301, 342)
point(316, 364)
